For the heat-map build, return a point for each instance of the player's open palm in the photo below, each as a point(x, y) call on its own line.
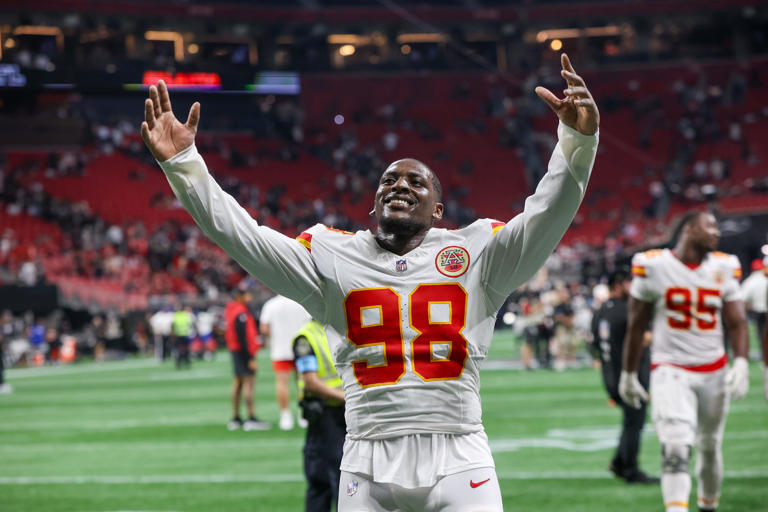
point(163, 134)
point(578, 109)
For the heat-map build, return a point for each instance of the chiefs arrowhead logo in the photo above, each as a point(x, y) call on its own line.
point(452, 261)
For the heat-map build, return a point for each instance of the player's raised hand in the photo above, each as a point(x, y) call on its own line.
point(163, 134)
point(578, 109)
point(631, 391)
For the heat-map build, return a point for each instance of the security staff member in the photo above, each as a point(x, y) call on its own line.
point(182, 332)
point(609, 326)
point(322, 401)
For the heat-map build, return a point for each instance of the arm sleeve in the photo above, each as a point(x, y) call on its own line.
point(521, 247)
point(642, 287)
point(304, 356)
point(281, 263)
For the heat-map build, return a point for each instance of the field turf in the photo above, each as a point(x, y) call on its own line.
point(137, 435)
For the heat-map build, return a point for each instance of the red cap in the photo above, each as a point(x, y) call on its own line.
point(757, 264)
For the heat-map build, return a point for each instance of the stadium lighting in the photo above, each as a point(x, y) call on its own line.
point(352, 39)
point(573, 33)
point(168, 35)
point(40, 30)
point(556, 44)
point(421, 38)
point(405, 49)
point(338, 119)
point(10, 43)
point(192, 48)
point(347, 50)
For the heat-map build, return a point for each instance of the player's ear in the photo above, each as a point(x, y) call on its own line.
point(437, 213)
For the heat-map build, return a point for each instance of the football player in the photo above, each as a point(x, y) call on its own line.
point(415, 305)
point(279, 321)
point(686, 291)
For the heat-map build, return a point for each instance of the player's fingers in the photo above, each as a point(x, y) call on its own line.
point(165, 98)
point(577, 92)
point(572, 78)
point(145, 132)
point(149, 113)
point(155, 100)
point(194, 116)
point(549, 98)
point(585, 102)
point(566, 63)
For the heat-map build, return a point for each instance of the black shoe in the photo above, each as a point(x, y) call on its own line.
point(707, 509)
point(615, 468)
point(642, 478)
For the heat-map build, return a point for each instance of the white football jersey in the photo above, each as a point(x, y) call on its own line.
point(412, 328)
point(687, 323)
point(284, 317)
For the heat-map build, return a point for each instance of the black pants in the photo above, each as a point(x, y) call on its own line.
point(625, 459)
point(182, 352)
point(322, 458)
point(2, 368)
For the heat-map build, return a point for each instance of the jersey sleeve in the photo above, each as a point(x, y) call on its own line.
point(276, 260)
point(642, 286)
point(518, 249)
point(732, 290)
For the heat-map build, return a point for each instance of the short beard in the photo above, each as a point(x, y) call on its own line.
point(401, 228)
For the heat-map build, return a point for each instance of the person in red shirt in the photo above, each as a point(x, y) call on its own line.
point(243, 342)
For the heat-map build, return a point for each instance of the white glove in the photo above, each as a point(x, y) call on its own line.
point(765, 382)
point(737, 378)
point(631, 391)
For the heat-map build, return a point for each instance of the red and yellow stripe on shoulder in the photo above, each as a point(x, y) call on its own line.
point(638, 271)
point(339, 231)
point(737, 273)
point(305, 239)
point(496, 226)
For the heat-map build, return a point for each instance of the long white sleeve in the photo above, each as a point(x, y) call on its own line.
point(280, 262)
point(519, 249)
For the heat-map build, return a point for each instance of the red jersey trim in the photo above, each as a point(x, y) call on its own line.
point(704, 368)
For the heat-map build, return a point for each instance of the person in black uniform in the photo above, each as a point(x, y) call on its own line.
point(609, 326)
point(322, 403)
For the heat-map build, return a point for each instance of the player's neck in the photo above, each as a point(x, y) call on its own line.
point(400, 243)
point(689, 254)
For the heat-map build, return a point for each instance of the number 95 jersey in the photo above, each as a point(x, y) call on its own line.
point(412, 328)
point(687, 324)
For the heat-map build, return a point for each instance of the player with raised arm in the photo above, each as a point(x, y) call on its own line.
point(685, 292)
point(414, 305)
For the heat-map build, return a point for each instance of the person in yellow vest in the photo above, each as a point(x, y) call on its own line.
point(182, 333)
point(322, 402)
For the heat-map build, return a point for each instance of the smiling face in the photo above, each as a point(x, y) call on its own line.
point(407, 200)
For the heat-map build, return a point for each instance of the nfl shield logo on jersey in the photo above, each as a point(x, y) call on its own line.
point(352, 488)
point(401, 266)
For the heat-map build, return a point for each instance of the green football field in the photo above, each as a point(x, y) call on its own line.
point(140, 436)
